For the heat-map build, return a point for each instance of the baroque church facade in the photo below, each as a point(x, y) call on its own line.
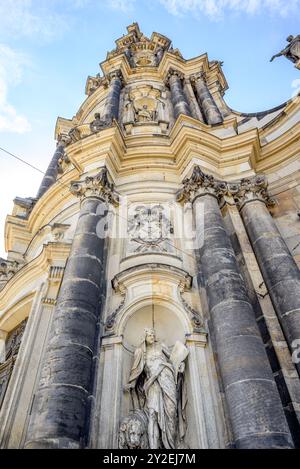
point(151, 293)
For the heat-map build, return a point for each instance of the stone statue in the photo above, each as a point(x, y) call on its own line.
point(292, 51)
point(157, 379)
point(133, 431)
point(143, 114)
point(128, 116)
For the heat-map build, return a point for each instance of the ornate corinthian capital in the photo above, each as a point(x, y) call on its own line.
point(198, 76)
point(114, 75)
point(238, 192)
point(96, 186)
point(173, 72)
point(198, 184)
point(255, 188)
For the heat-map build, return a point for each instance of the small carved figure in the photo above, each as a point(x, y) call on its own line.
point(143, 114)
point(128, 117)
point(292, 50)
point(133, 431)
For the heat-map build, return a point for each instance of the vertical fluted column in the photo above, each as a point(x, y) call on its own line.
point(206, 101)
point(52, 170)
point(255, 410)
point(280, 272)
point(61, 404)
point(113, 98)
point(178, 97)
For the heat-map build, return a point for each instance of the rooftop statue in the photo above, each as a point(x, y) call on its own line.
point(292, 50)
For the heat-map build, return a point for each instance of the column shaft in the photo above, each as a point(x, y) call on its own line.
point(178, 97)
point(207, 103)
point(254, 405)
point(280, 271)
point(61, 403)
point(113, 98)
point(52, 170)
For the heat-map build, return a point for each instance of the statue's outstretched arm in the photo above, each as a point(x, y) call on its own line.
point(283, 52)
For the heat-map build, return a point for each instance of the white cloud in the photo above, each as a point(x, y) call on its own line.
point(216, 9)
point(11, 70)
point(121, 5)
point(48, 20)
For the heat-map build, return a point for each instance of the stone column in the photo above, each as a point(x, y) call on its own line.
point(206, 101)
point(51, 174)
point(180, 104)
point(113, 98)
point(255, 410)
point(194, 105)
point(61, 406)
point(280, 272)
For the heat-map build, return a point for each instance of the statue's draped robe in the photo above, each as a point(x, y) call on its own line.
point(160, 390)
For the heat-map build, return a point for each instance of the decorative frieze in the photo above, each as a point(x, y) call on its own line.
point(96, 186)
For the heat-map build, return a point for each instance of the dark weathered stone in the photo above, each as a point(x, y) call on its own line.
point(61, 403)
point(255, 410)
point(278, 267)
point(178, 97)
point(113, 98)
point(52, 170)
point(206, 101)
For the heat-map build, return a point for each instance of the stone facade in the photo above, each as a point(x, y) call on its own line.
point(164, 209)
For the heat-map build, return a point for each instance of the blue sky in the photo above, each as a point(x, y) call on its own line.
point(49, 47)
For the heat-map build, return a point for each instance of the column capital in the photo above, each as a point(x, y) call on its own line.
point(96, 186)
point(199, 184)
point(237, 192)
point(198, 76)
point(173, 72)
point(63, 139)
point(255, 188)
point(114, 75)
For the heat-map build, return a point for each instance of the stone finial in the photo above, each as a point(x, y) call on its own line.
point(96, 186)
point(238, 192)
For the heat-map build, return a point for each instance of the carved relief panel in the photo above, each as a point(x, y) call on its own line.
point(150, 230)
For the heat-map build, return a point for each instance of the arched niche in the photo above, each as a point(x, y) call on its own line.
point(168, 319)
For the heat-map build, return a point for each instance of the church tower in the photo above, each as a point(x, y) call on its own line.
point(154, 279)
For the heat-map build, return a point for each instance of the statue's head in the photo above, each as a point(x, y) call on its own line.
point(150, 336)
point(290, 38)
